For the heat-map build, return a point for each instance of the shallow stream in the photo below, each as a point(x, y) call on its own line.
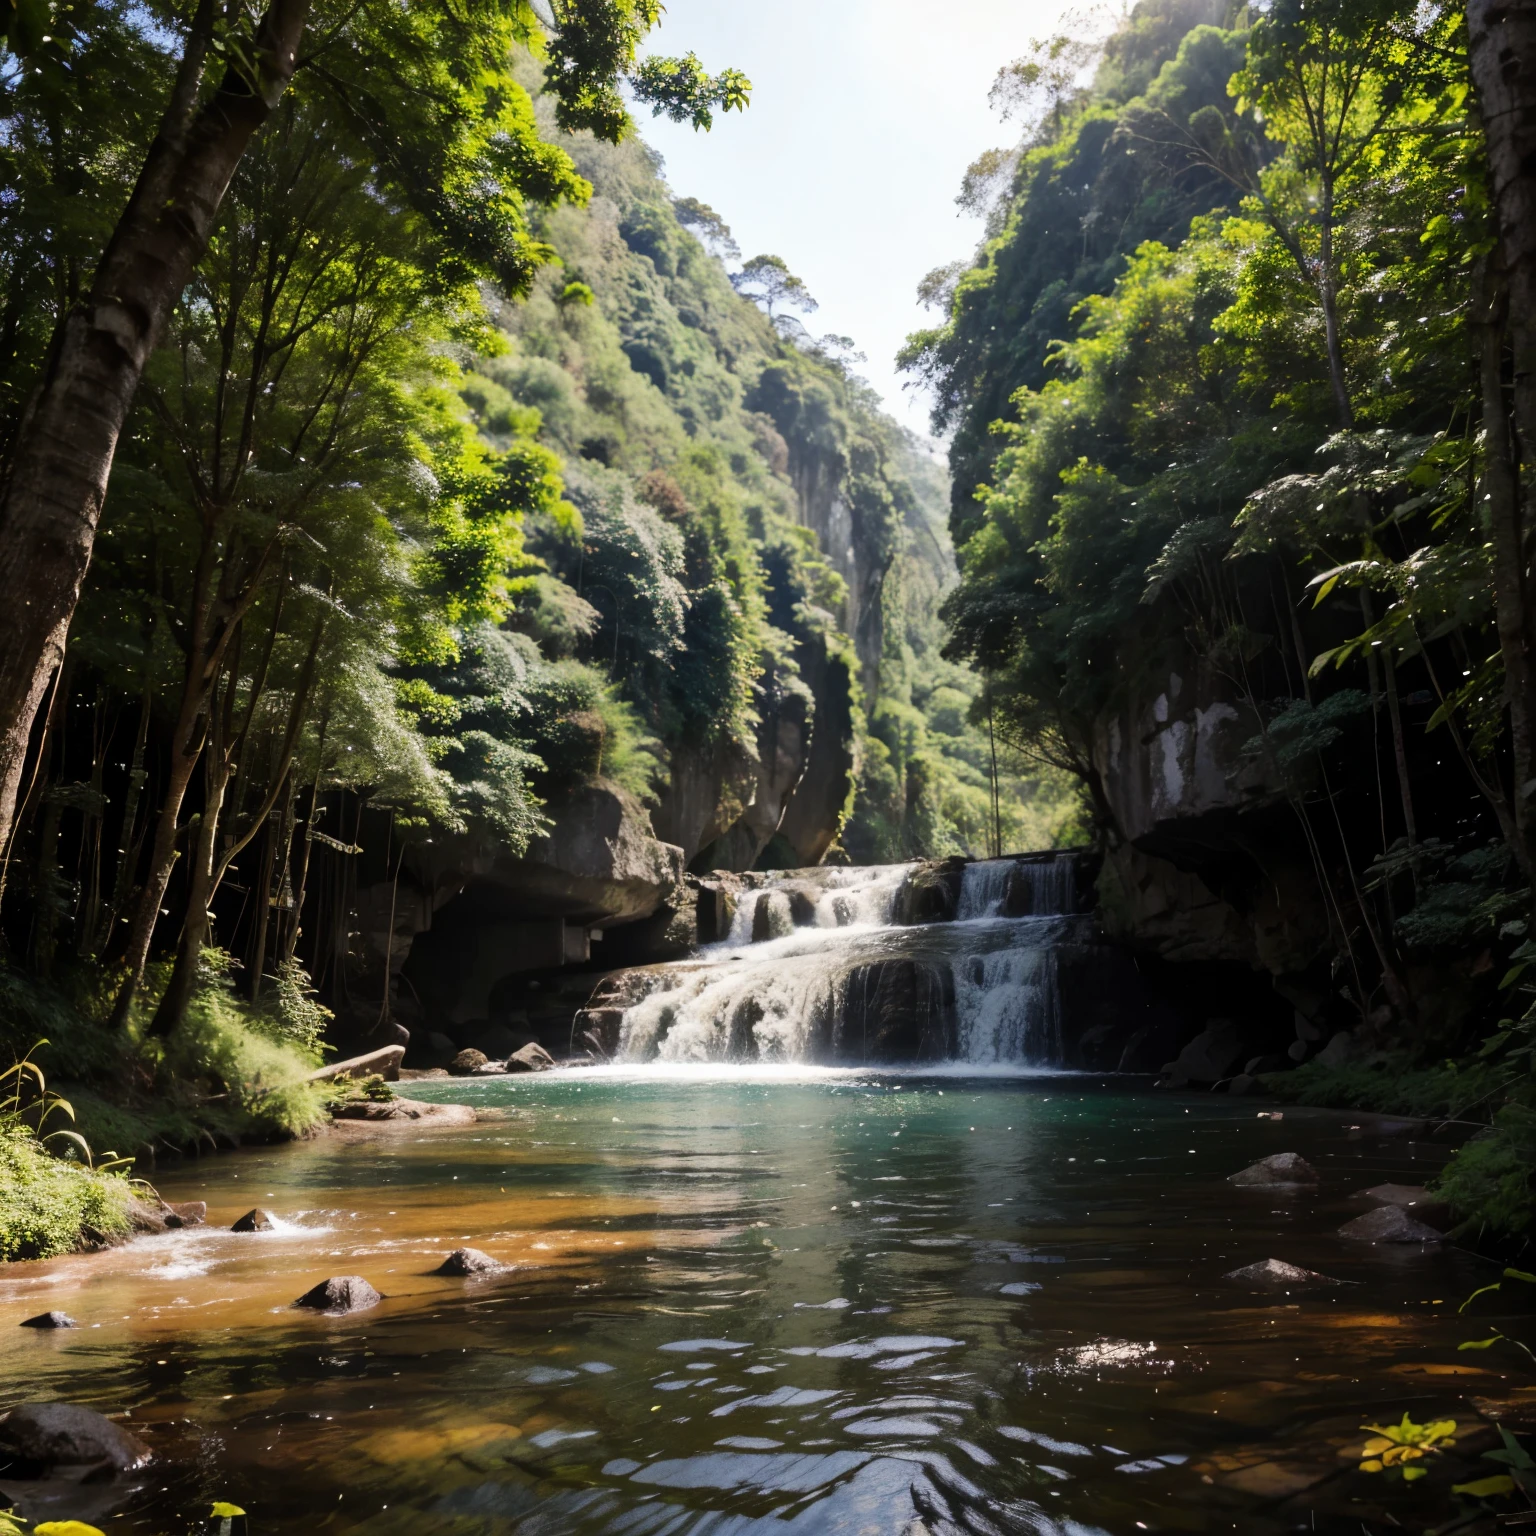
point(760, 1300)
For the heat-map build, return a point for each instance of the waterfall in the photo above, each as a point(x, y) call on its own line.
point(816, 967)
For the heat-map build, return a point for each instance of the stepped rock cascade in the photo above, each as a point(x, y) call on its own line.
point(819, 966)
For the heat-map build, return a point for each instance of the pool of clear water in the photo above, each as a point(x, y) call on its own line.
point(758, 1301)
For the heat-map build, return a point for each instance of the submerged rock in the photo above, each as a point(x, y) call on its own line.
point(1283, 1170)
point(531, 1058)
point(1276, 1272)
point(256, 1220)
point(340, 1295)
point(1408, 1196)
point(466, 1061)
point(63, 1440)
point(1389, 1224)
point(468, 1261)
point(50, 1320)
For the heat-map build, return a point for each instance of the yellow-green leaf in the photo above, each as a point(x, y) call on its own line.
point(1487, 1487)
point(1480, 1343)
point(1409, 1473)
point(65, 1528)
point(223, 1511)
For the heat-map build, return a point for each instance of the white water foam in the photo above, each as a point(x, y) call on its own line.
point(984, 982)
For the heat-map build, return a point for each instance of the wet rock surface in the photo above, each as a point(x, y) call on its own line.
point(1285, 1170)
point(530, 1058)
point(468, 1261)
point(256, 1220)
point(340, 1296)
point(1277, 1274)
point(64, 1440)
point(50, 1320)
point(1389, 1224)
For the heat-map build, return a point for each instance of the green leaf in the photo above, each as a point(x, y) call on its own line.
point(1481, 1343)
point(223, 1511)
point(1411, 1474)
point(1520, 1274)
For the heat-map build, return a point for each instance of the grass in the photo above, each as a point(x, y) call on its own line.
point(50, 1203)
point(228, 1074)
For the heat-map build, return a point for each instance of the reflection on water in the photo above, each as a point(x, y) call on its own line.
point(820, 1303)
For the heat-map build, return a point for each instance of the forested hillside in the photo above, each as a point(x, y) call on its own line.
point(445, 522)
point(1240, 467)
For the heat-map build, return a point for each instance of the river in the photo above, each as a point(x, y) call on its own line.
point(767, 1299)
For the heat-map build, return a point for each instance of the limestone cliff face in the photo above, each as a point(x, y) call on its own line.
point(1207, 861)
point(464, 915)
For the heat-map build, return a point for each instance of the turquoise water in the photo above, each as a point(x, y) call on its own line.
point(789, 1302)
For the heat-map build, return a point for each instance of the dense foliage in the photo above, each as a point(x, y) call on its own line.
point(464, 475)
point(1231, 393)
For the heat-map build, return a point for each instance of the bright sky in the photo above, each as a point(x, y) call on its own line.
point(864, 116)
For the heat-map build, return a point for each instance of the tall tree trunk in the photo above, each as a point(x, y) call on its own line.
point(128, 851)
point(1328, 291)
point(200, 882)
point(53, 486)
point(1399, 749)
point(1501, 41)
point(1501, 505)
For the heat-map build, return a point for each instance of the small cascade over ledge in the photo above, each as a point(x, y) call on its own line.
point(953, 961)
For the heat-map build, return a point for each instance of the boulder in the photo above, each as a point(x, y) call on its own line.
point(1389, 1224)
point(340, 1295)
point(440, 1047)
point(498, 1041)
point(63, 1440)
point(531, 1058)
point(1277, 1273)
point(1148, 1047)
point(256, 1220)
point(1276, 1061)
point(466, 1061)
point(366, 1109)
point(50, 1320)
point(186, 1213)
point(1339, 1050)
point(1285, 1170)
point(468, 1261)
point(147, 1218)
point(1411, 1197)
point(1210, 1056)
point(771, 917)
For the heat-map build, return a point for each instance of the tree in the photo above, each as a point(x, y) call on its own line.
point(428, 88)
point(1502, 54)
point(707, 225)
point(768, 281)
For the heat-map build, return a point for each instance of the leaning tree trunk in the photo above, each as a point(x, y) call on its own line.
point(56, 479)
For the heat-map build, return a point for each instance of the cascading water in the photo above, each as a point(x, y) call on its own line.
point(818, 966)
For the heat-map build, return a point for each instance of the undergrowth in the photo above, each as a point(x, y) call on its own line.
point(1488, 1181)
point(50, 1203)
point(1450, 1090)
point(229, 1073)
